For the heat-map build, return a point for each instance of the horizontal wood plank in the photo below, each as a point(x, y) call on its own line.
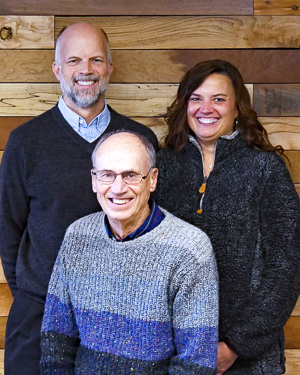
point(292, 333)
point(3, 321)
point(7, 124)
point(1, 153)
point(5, 299)
point(121, 7)
point(284, 131)
point(159, 66)
point(133, 100)
point(281, 130)
point(1, 362)
point(276, 7)
point(296, 311)
point(196, 32)
point(297, 186)
point(26, 32)
point(294, 166)
point(277, 99)
point(292, 362)
point(2, 277)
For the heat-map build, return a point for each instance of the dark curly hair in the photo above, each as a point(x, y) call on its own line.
point(248, 125)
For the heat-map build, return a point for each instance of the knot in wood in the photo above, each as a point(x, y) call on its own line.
point(268, 2)
point(6, 33)
point(295, 7)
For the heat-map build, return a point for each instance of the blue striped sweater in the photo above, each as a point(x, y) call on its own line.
point(146, 306)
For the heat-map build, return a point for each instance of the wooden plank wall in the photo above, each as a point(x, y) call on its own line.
point(153, 44)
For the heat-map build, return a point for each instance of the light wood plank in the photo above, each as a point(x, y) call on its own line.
point(1, 362)
point(195, 32)
point(3, 321)
point(276, 7)
point(274, 100)
point(2, 277)
point(159, 66)
point(1, 154)
point(5, 299)
point(292, 333)
point(142, 100)
point(26, 32)
point(297, 186)
point(121, 7)
point(296, 311)
point(284, 131)
point(292, 362)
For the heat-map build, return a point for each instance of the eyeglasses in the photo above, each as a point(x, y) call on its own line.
point(130, 178)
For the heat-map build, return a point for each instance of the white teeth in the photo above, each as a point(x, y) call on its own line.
point(207, 120)
point(85, 83)
point(120, 201)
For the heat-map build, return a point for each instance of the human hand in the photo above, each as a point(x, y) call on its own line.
point(226, 358)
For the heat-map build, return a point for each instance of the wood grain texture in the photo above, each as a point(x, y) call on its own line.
point(1, 362)
point(292, 362)
point(159, 66)
point(7, 124)
point(284, 131)
point(195, 32)
point(5, 299)
point(276, 99)
point(277, 7)
point(3, 321)
point(294, 168)
point(27, 32)
point(1, 153)
point(296, 311)
point(133, 100)
point(292, 333)
point(133, 7)
point(2, 277)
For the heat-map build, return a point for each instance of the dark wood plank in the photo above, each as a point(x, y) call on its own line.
point(292, 333)
point(275, 100)
point(195, 32)
point(161, 66)
point(3, 321)
point(5, 299)
point(26, 32)
point(277, 7)
point(133, 7)
point(294, 166)
point(7, 124)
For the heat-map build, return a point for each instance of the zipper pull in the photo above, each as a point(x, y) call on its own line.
point(202, 191)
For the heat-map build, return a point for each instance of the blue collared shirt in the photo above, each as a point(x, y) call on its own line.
point(154, 218)
point(90, 132)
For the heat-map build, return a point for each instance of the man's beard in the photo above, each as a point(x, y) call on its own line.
point(85, 97)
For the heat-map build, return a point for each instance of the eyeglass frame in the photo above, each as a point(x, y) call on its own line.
point(94, 173)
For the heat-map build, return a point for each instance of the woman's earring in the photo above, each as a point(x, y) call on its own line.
point(236, 122)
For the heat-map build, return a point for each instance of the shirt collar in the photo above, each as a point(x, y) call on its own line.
point(154, 218)
point(76, 121)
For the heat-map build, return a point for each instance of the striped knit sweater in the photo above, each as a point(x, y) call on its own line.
point(146, 306)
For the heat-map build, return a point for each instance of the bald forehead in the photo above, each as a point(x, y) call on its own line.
point(81, 30)
point(122, 141)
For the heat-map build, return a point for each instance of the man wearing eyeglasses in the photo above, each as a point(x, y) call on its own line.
point(44, 178)
point(134, 289)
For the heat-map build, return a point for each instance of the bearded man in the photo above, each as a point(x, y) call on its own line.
point(44, 183)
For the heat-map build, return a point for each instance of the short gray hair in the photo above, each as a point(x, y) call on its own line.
point(148, 145)
point(57, 46)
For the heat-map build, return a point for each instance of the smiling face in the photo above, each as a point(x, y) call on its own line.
point(82, 66)
point(126, 206)
point(211, 109)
